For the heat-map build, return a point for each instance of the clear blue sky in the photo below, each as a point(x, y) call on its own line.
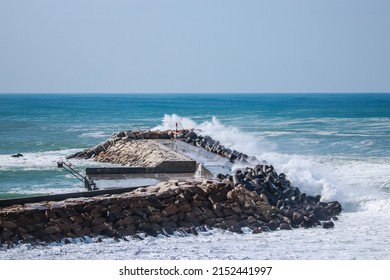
point(194, 46)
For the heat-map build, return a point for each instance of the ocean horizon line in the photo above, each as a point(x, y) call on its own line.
point(190, 93)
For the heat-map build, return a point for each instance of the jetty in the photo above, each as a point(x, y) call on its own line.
point(195, 188)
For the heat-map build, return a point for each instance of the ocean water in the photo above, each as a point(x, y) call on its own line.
point(336, 145)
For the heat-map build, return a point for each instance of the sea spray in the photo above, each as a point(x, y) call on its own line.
point(229, 136)
point(301, 172)
point(307, 175)
point(170, 121)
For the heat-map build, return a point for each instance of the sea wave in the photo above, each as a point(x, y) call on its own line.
point(349, 180)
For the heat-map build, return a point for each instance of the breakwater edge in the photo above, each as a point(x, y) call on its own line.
point(255, 197)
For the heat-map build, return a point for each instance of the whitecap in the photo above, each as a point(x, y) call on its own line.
point(34, 161)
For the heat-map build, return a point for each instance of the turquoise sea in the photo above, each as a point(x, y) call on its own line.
point(46, 127)
point(336, 145)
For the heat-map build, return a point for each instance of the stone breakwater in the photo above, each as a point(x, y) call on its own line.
point(138, 153)
point(186, 206)
point(256, 197)
point(122, 148)
point(262, 178)
point(141, 153)
point(214, 146)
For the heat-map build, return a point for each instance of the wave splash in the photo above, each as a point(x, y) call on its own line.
point(332, 178)
point(229, 136)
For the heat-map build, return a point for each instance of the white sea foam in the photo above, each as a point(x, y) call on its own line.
point(95, 134)
point(34, 161)
point(39, 160)
point(229, 136)
point(351, 238)
point(170, 121)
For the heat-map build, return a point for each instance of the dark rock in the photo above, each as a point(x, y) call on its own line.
point(288, 193)
point(243, 223)
point(257, 231)
point(320, 214)
point(285, 226)
point(265, 228)
point(151, 232)
point(170, 210)
point(272, 225)
point(302, 197)
point(155, 202)
point(17, 155)
point(280, 203)
point(8, 225)
point(168, 228)
point(190, 218)
point(192, 230)
point(235, 228)
point(297, 218)
point(327, 224)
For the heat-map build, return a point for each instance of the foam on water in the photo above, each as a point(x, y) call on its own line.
point(34, 161)
point(304, 173)
point(37, 173)
point(350, 239)
point(95, 134)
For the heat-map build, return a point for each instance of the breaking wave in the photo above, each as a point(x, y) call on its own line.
point(339, 179)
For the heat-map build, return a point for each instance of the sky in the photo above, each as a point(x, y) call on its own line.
point(201, 46)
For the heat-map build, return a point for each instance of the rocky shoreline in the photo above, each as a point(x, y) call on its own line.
point(256, 197)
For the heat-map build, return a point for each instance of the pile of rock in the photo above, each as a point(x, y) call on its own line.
point(303, 209)
point(263, 179)
point(132, 148)
point(141, 153)
point(214, 146)
point(186, 206)
point(122, 137)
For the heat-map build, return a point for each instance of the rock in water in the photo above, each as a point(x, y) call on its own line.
point(327, 224)
point(17, 155)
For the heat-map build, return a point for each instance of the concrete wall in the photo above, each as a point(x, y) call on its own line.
point(164, 167)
